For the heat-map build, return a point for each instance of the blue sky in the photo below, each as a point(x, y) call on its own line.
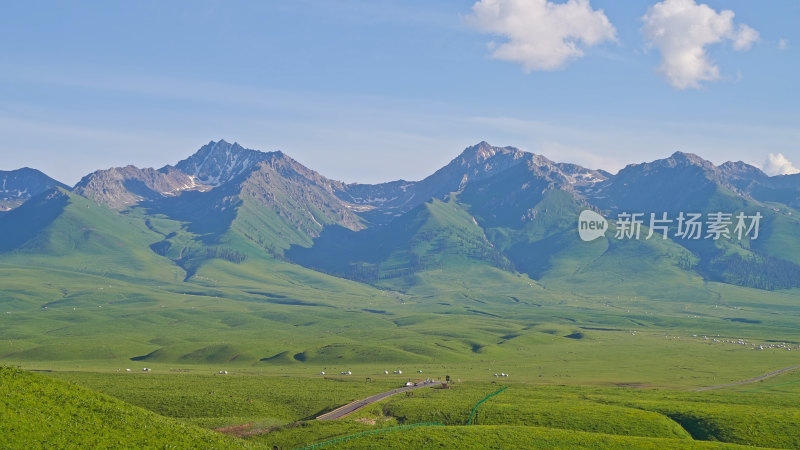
point(375, 90)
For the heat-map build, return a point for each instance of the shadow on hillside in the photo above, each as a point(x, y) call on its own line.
point(22, 224)
point(206, 214)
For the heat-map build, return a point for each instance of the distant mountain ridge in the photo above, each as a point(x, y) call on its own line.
point(685, 174)
point(17, 186)
point(475, 163)
point(495, 207)
point(220, 162)
point(121, 187)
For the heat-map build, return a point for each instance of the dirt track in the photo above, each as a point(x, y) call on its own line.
point(752, 380)
point(358, 404)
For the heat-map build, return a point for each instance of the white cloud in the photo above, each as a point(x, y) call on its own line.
point(783, 44)
point(744, 38)
point(542, 35)
point(777, 164)
point(681, 30)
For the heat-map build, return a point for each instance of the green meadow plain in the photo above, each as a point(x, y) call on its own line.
point(585, 370)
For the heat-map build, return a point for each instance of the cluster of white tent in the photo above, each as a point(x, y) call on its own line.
point(385, 372)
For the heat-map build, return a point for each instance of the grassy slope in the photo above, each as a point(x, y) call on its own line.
point(435, 235)
point(218, 400)
point(561, 416)
point(524, 413)
point(278, 317)
point(503, 436)
point(88, 238)
point(778, 236)
point(39, 412)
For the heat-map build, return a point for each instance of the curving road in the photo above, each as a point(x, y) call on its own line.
point(358, 404)
point(752, 380)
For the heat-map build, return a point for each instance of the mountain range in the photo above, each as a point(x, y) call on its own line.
point(500, 208)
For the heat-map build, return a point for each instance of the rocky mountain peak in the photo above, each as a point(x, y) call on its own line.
point(482, 152)
point(742, 170)
point(218, 162)
point(681, 159)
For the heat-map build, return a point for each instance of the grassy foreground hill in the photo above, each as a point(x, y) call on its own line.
point(39, 412)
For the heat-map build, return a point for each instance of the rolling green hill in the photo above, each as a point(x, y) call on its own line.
point(39, 412)
point(432, 236)
point(66, 231)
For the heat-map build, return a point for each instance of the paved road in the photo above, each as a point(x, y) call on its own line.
point(358, 404)
point(752, 380)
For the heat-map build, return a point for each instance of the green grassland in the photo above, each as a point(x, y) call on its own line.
point(214, 400)
point(278, 411)
point(189, 302)
point(559, 415)
point(499, 323)
point(39, 412)
point(500, 436)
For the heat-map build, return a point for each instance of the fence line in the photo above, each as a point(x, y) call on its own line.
point(341, 439)
point(475, 408)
